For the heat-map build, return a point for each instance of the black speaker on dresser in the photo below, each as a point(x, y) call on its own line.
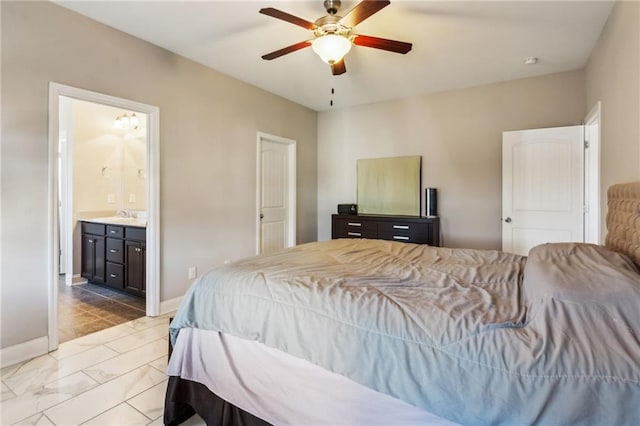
point(431, 202)
point(347, 209)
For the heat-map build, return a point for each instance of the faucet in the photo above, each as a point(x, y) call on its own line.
point(123, 213)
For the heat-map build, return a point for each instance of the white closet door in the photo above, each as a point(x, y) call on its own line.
point(277, 196)
point(542, 187)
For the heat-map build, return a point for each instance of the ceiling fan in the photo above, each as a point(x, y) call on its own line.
point(333, 38)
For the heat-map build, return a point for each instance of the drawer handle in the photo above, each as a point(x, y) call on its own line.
point(354, 224)
point(400, 237)
point(400, 226)
point(113, 232)
point(90, 241)
point(113, 275)
point(113, 251)
point(354, 234)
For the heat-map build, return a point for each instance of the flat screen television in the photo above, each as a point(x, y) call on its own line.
point(389, 185)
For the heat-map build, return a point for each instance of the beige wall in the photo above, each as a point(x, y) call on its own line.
point(208, 127)
point(459, 135)
point(613, 77)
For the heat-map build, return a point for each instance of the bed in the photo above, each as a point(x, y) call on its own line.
point(380, 332)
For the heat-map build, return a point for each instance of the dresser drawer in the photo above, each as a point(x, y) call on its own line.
point(353, 227)
point(134, 233)
point(93, 228)
point(115, 231)
point(115, 250)
point(115, 275)
point(355, 233)
point(402, 227)
point(407, 232)
point(355, 224)
point(405, 237)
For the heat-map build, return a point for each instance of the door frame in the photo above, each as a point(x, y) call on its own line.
point(593, 210)
point(65, 158)
point(291, 190)
point(57, 90)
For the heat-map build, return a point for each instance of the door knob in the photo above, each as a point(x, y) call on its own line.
point(508, 220)
point(261, 215)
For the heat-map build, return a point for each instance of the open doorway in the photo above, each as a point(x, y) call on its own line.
point(104, 178)
point(102, 169)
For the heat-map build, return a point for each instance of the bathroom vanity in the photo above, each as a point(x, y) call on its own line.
point(114, 253)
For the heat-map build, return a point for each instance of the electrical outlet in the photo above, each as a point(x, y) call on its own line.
point(193, 272)
point(111, 198)
point(132, 198)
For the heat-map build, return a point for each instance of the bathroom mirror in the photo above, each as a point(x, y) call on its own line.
point(389, 185)
point(109, 160)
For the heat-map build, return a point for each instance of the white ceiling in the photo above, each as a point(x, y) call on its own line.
point(455, 43)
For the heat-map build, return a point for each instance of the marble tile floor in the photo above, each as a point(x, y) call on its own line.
point(87, 308)
point(116, 376)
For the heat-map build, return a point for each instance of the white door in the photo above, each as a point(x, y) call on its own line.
point(542, 187)
point(276, 193)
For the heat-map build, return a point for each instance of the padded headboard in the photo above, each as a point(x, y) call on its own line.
point(623, 219)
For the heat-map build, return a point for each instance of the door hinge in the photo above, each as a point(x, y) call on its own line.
point(586, 144)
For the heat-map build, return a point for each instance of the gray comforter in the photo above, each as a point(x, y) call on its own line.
point(470, 335)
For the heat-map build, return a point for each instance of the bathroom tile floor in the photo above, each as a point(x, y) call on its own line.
point(116, 376)
point(87, 308)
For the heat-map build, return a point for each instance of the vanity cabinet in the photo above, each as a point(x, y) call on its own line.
point(115, 255)
point(93, 252)
point(135, 250)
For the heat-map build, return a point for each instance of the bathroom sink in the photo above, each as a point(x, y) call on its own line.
point(117, 220)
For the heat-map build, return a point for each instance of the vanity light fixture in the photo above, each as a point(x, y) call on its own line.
point(127, 122)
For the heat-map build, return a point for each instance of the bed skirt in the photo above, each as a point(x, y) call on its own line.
point(185, 398)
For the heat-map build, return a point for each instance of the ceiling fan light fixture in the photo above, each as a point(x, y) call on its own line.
point(331, 47)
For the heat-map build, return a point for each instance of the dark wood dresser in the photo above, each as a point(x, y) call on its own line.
point(408, 229)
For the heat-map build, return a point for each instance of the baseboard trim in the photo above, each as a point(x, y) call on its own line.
point(77, 279)
point(23, 351)
point(170, 305)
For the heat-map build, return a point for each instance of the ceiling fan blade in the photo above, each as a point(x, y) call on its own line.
point(362, 11)
point(278, 14)
point(285, 50)
point(339, 67)
point(382, 43)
